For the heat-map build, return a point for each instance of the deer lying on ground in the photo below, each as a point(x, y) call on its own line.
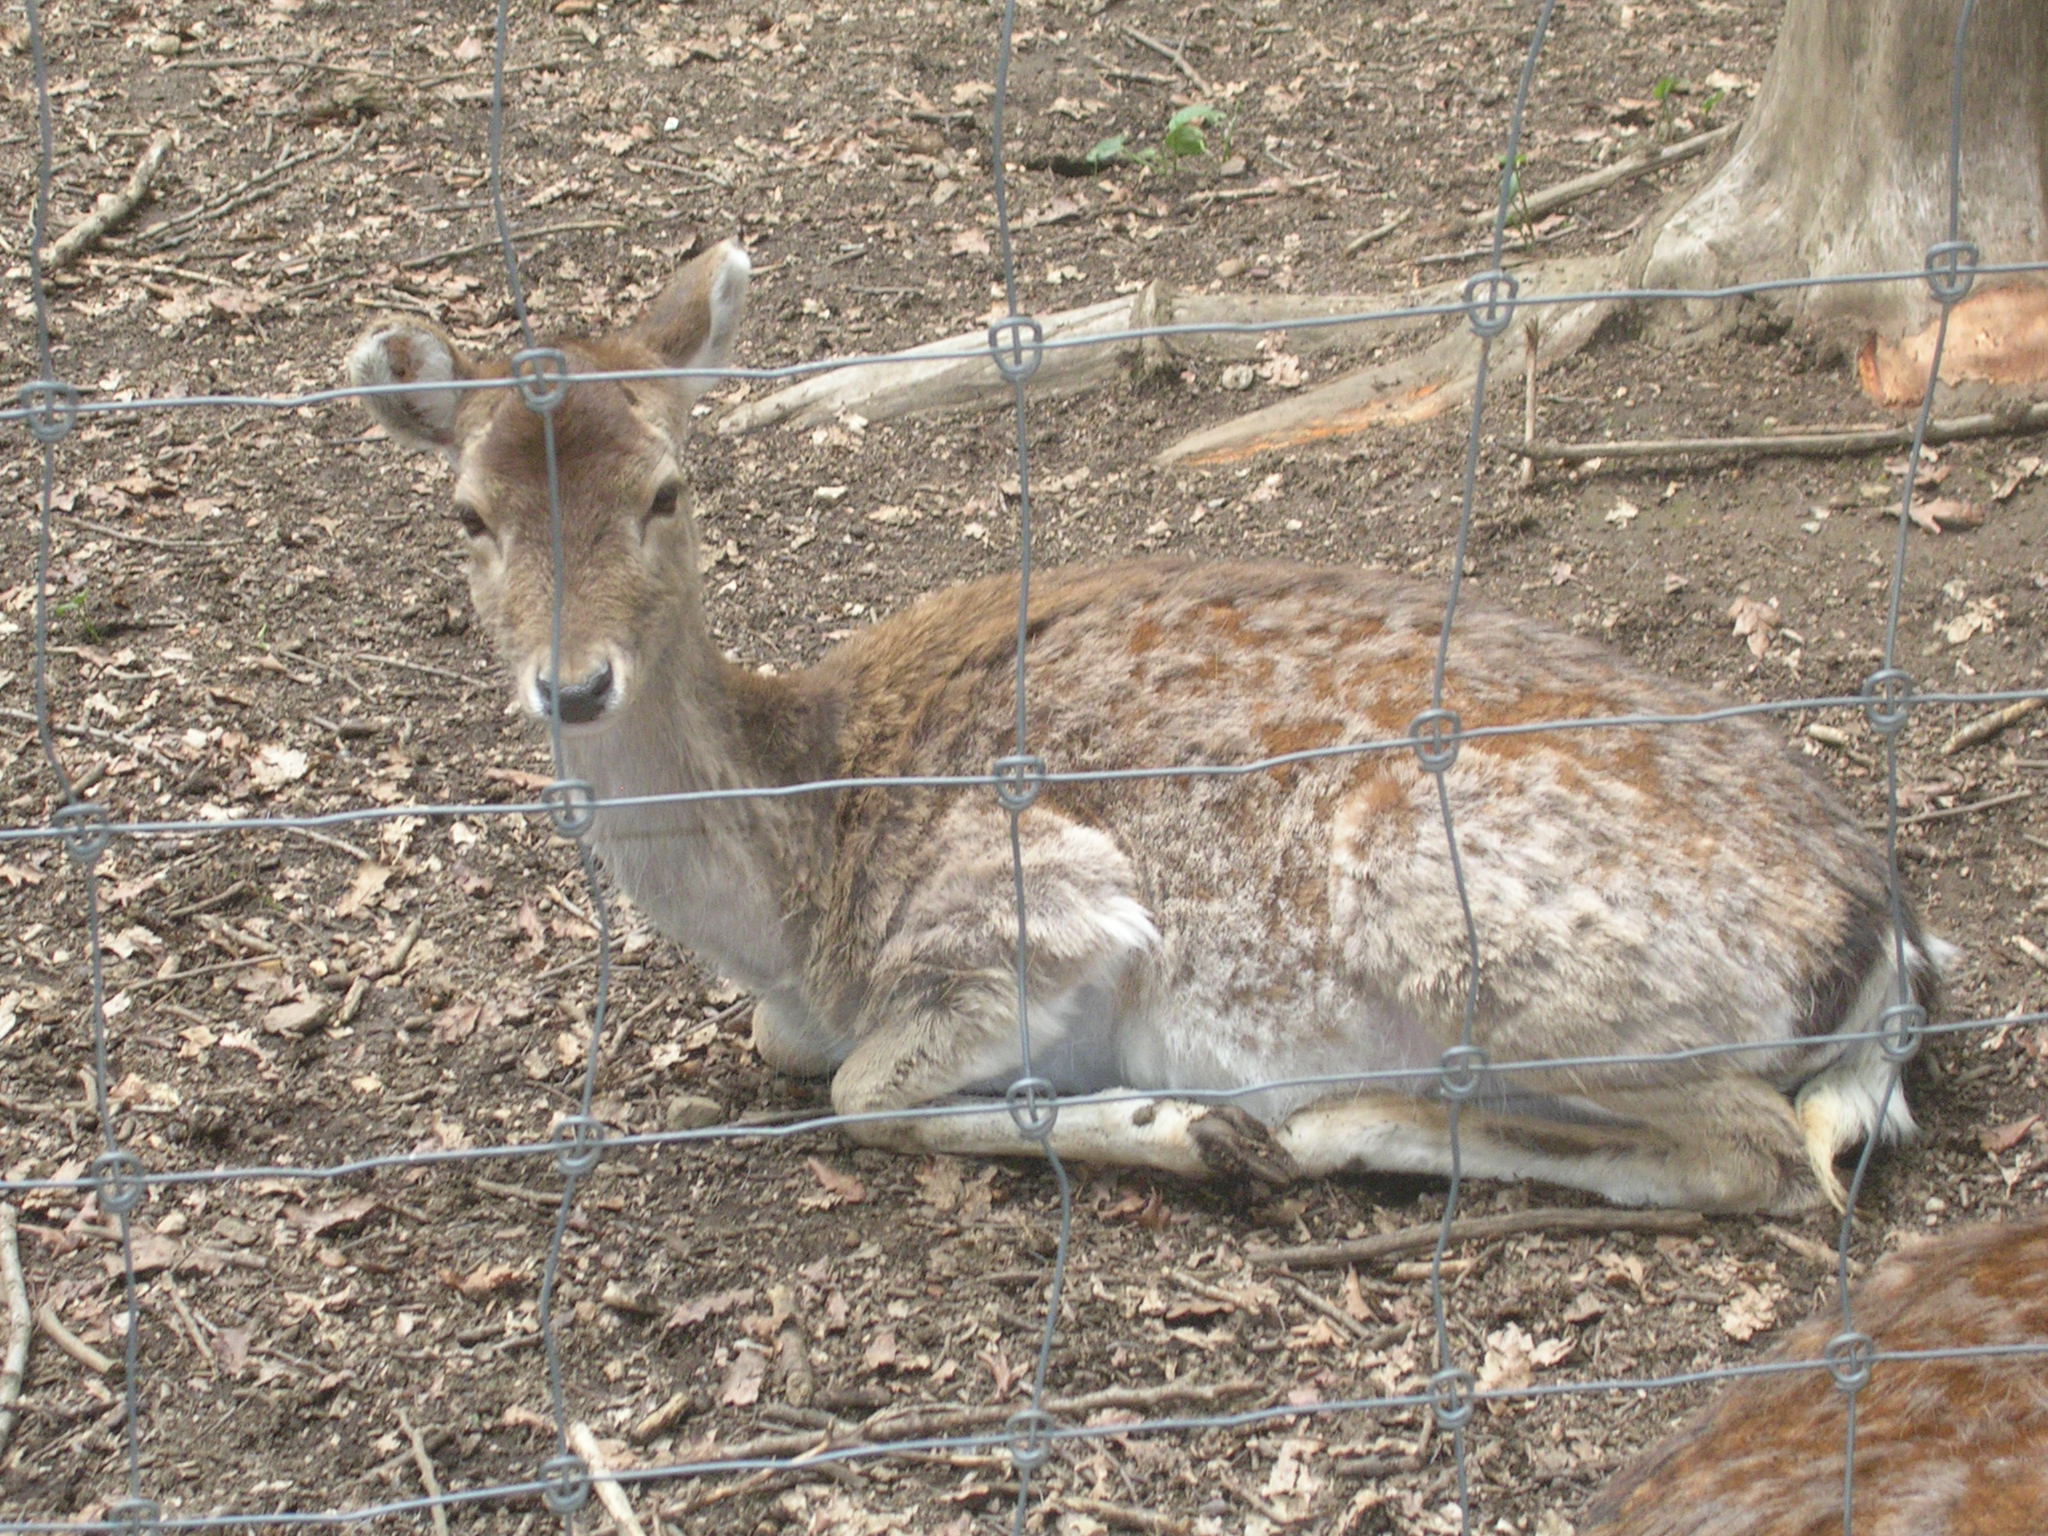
point(1949, 1445)
point(1640, 890)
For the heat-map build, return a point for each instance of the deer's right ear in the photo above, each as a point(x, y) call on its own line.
point(409, 353)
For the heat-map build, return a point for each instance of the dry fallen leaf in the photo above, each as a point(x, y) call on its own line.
point(1755, 622)
point(742, 1385)
point(1749, 1313)
point(484, 1280)
point(1945, 512)
point(274, 766)
point(2003, 1138)
point(840, 1188)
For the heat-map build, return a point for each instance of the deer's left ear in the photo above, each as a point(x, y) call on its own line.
point(410, 353)
point(692, 323)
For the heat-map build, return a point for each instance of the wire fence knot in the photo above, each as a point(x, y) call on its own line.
point(1951, 270)
point(1018, 780)
point(1034, 1106)
point(1849, 1357)
point(542, 375)
point(1453, 1396)
point(1435, 734)
point(572, 806)
point(51, 407)
point(565, 1483)
point(1888, 700)
point(580, 1144)
point(85, 829)
point(118, 1175)
point(1029, 1433)
point(1017, 345)
point(1900, 1029)
point(1460, 1072)
point(1490, 302)
point(135, 1515)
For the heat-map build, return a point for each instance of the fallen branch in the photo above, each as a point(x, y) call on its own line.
point(1551, 198)
point(1412, 387)
point(428, 1480)
point(250, 190)
point(888, 1426)
point(1271, 187)
point(958, 373)
point(1126, 1517)
point(14, 1368)
point(602, 1483)
point(1821, 443)
point(1985, 727)
point(922, 1423)
point(1386, 1245)
point(1967, 808)
point(72, 1345)
point(1174, 56)
point(113, 207)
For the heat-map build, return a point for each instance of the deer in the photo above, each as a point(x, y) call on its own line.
point(1949, 1424)
point(1233, 974)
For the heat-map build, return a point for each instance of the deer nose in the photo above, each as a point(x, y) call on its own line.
point(579, 703)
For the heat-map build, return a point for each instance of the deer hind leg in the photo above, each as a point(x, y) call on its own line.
point(1721, 1144)
point(940, 1032)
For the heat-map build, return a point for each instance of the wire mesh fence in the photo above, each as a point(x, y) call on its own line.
point(125, 1171)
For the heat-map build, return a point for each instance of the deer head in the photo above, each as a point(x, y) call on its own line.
point(631, 604)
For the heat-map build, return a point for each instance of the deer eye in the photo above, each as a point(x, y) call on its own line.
point(472, 520)
point(665, 502)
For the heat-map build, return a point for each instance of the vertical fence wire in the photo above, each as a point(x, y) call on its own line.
point(120, 1182)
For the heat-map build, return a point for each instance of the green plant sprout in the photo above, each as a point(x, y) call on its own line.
point(1186, 137)
point(1519, 212)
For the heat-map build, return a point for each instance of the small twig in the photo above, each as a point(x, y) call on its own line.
point(217, 899)
point(403, 665)
point(246, 191)
point(2031, 950)
point(1377, 233)
point(1533, 208)
point(1819, 443)
point(1125, 1516)
point(435, 258)
point(192, 1331)
point(401, 949)
point(113, 207)
point(1173, 56)
point(428, 1480)
point(122, 535)
point(679, 1406)
point(329, 840)
point(1263, 189)
point(214, 968)
point(14, 1368)
point(72, 1345)
point(1387, 1245)
point(1531, 330)
point(1328, 1308)
point(1967, 808)
point(1985, 727)
point(518, 1192)
point(1807, 1248)
point(917, 1423)
point(602, 1483)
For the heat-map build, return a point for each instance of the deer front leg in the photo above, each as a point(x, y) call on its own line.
point(940, 1030)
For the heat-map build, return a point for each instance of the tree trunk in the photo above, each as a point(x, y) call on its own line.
point(1842, 168)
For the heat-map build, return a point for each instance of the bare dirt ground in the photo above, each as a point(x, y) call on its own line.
point(261, 613)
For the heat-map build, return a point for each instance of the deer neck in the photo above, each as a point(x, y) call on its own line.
point(723, 877)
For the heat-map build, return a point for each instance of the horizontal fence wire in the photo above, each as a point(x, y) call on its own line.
point(562, 1483)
